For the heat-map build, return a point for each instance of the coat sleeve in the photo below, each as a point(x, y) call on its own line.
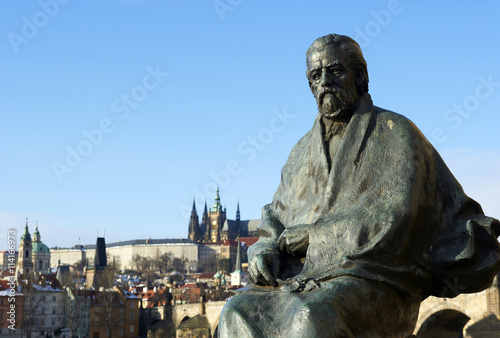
point(463, 256)
point(269, 229)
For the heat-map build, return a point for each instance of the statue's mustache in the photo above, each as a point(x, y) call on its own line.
point(329, 90)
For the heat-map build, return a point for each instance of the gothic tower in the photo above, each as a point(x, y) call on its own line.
point(194, 226)
point(100, 274)
point(25, 263)
point(217, 216)
point(204, 228)
point(238, 212)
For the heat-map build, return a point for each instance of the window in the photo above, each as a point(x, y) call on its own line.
point(121, 332)
point(131, 328)
point(53, 321)
point(1, 316)
point(1, 301)
point(121, 320)
point(132, 305)
point(54, 311)
point(132, 316)
point(54, 298)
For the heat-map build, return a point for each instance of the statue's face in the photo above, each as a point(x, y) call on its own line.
point(332, 82)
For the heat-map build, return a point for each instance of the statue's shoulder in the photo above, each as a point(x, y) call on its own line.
point(383, 114)
point(384, 117)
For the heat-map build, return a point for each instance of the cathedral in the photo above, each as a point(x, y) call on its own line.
point(215, 227)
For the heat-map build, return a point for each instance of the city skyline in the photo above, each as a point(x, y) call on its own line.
point(116, 115)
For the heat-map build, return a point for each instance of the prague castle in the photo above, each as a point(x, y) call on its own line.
point(215, 227)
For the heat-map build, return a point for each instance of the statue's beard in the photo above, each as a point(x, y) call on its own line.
point(336, 103)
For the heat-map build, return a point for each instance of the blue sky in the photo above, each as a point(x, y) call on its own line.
point(115, 114)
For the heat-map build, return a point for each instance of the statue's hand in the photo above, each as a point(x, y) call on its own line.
point(294, 240)
point(264, 268)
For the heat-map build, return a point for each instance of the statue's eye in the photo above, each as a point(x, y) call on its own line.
point(316, 76)
point(338, 72)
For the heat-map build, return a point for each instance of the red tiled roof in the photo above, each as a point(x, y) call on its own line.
point(5, 273)
point(4, 285)
point(206, 276)
point(249, 240)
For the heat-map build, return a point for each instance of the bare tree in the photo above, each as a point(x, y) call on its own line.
point(178, 264)
point(136, 259)
point(71, 310)
point(32, 306)
point(161, 261)
point(78, 266)
point(110, 304)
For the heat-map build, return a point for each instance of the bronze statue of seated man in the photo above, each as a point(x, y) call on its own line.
point(366, 223)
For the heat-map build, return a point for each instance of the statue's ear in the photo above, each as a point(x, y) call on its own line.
point(360, 76)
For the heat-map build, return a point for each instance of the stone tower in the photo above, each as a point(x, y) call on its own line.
point(217, 216)
point(204, 227)
point(25, 263)
point(194, 226)
point(100, 274)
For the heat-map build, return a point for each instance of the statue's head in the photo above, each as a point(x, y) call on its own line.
point(337, 75)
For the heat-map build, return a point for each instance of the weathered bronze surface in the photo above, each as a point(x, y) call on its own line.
point(366, 223)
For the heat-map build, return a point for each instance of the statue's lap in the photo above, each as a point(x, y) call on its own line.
point(322, 312)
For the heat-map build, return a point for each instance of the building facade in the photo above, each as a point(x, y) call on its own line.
point(124, 251)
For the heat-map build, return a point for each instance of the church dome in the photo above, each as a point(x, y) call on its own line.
point(39, 247)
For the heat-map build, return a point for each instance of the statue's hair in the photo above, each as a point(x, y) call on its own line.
point(351, 49)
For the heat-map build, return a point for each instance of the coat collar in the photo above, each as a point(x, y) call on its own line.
point(347, 157)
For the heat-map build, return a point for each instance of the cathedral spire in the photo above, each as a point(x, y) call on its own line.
point(238, 211)
point(193, 232)
point(217, 206)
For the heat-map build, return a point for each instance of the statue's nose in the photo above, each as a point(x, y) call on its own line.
point(326, 78)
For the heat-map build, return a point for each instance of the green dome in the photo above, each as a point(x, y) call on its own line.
point(39, 247)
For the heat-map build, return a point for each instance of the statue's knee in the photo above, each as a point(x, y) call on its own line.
point(319, 320)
